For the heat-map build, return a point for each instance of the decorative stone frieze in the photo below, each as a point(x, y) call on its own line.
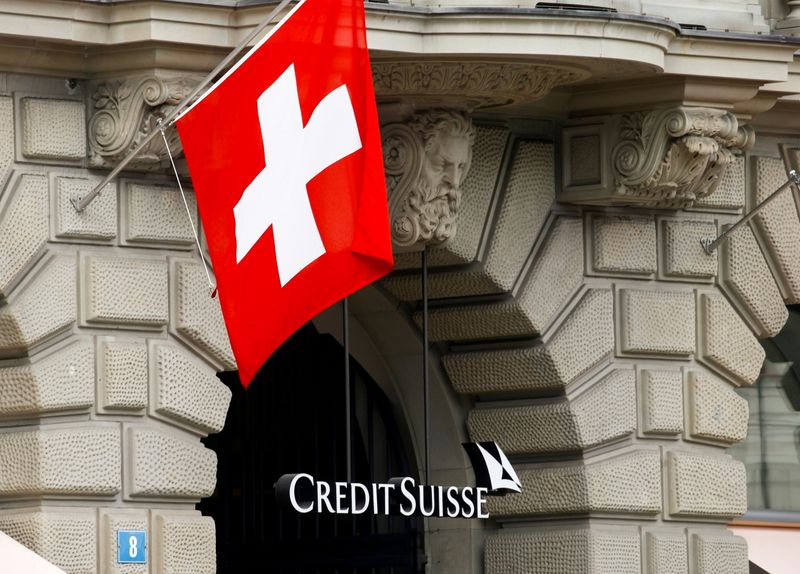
point(125, 112)
point(468, 85)
point(426, 159)
point(667, 158)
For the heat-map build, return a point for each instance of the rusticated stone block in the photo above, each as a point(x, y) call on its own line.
point(45, 308)
point(716, 553)
point(528, 196)
point(574, 551)
point(556, 275)
point(730, 192)
point(624, 245)
point(778, 225)
point(665, 552)
point(626, 484)
point(6, 137)
point(187, 391)
point(604, 413)
point(112, 521)
point(60, 460)
point(661, 402)
point(61, 381)
point(186, 542)
point(683, 255)
point(706, 486)
point(65, 537)
point(98, 221)
point(126, 290)
point(53, 129)
point(23, 229)
point(161, 465)
point(726, 343)
point(716, 412)
point(747, 280)
point(156, 215)
point(122, 376)
point(198, 317)
point(657, 322)
point(582, 342)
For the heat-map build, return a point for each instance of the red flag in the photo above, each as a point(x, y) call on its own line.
point(286, 161)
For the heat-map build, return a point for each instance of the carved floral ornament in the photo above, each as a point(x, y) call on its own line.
point(673, 157)
point(426, 158)
point(468, 85)
point(125, 113)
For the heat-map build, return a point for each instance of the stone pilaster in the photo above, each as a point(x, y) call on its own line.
point(109, 346)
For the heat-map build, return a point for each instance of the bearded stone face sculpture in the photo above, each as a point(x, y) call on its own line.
point(426, 159)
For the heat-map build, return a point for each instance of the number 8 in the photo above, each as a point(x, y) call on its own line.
point(133, 549)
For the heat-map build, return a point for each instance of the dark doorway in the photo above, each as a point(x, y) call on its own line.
point(292, 419)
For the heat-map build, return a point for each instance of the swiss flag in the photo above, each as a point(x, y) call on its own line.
point(286, 162)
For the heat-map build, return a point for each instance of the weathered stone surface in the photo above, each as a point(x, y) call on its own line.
point(717, 553)
point(624, 244)
point(626, 484)
point(582, 342)
point(60, 460)
point(657, 322)
point(126, 290)
point(23, 228)
point(156, 215)
point(97, 222)
point(45, 308)
point(164, 466)
point(197, 316)
point(529, 193)
point(747, 280)
point(665, 552)
point(683, 255)
point(53, 129)
point(778, 226)
point(58, 382)
point(726, 343)
point(65, 537)
point(6, 137)
point(730, 192)
point(716, 412)
point(569, 551)
point(603, 413)
point(187, 391)
point(661, 402)
point(705, 486)
point(122, 376)
point(186, 543)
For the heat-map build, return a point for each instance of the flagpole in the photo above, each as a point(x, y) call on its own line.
point(81, 203)
point(348, 431)
point(425, 361)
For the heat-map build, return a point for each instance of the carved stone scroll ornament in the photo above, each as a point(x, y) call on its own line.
point(468, 85)
point(426, 158)
point(673, 157)
point(125, 113)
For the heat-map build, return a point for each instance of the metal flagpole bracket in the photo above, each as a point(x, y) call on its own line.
point(80, 203)
point(710, 245)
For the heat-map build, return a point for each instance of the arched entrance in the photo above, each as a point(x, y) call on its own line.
point(292, 419)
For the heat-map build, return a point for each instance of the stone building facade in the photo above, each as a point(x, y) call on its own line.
point(562, 164)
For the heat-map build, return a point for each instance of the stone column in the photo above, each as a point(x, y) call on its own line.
point(109, 340)
point(600, 345)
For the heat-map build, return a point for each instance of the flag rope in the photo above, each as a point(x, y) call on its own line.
point(211, 285)
point(80, 203)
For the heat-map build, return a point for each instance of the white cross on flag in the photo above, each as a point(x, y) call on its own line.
point(286, 163)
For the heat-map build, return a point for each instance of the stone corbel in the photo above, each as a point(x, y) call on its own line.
point(664, 158)
point(125, 112)
point(426, 157)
